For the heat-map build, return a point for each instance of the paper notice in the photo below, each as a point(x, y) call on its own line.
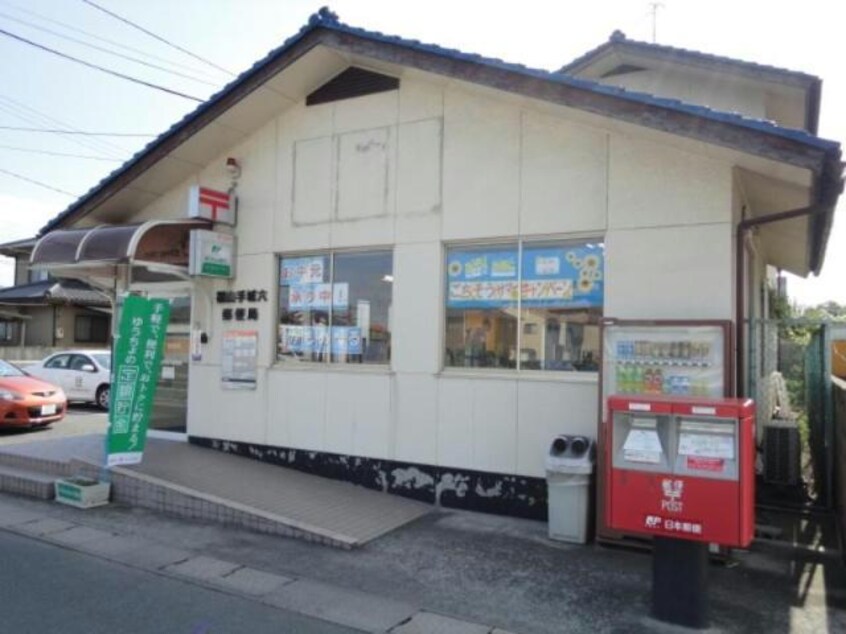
point(643, 445)
point(706, 446)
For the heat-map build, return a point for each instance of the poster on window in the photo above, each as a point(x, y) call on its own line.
point(303, 270)
point(548, 276)
point(239, 361)
point(318, 296)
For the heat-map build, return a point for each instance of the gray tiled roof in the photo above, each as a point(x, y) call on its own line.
point(53, 292)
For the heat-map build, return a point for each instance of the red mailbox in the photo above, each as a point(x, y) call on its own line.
point(681, 468)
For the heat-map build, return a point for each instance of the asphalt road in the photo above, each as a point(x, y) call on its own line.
point(80, 419)
point(50, 589)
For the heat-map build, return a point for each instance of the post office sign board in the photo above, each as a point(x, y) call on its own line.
point(212, 254)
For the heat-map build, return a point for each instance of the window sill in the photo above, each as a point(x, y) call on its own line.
point(591, 378)
point(335, 368)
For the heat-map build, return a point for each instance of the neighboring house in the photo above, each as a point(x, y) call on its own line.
point(427, 240)
point(40, 312)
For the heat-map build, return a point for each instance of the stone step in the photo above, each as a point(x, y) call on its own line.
point(33, 484)
point(32, 463)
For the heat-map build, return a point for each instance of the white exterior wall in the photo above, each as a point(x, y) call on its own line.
point(412, 170)
point(720, 92)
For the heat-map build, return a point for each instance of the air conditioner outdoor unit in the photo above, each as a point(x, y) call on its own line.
point(782, 453)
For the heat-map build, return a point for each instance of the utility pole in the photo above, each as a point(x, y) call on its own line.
point(654, 10)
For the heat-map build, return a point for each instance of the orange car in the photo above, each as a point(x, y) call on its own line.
point(26, 401)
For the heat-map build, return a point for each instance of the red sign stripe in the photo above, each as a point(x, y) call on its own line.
point(214, 195)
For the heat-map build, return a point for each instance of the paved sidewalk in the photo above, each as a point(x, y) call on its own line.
point(449, 572)
point(334, 604)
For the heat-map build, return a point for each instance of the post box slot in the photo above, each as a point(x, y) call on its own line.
point(707, 449)
point(642, 441)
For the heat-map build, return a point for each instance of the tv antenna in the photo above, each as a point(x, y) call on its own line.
point(654, 6)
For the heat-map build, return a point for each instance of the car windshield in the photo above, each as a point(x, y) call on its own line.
point(103, 359)
point(7, 369)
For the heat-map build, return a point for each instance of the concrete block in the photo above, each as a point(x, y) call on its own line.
point(430, 623)
point(44, 526)
point(252, 582)
point(202, 567)
point(337, 605)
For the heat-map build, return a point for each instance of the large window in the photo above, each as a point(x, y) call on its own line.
point(335, 307)
point(526, 306)
point(8, 332)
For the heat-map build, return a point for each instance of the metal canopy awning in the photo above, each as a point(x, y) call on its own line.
point(155, 251)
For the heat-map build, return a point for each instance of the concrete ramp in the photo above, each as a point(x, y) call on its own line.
point(204, 484)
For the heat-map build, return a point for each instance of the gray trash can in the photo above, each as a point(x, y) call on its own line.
point(569, 469)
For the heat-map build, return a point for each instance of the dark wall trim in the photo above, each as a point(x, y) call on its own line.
point(502, 494)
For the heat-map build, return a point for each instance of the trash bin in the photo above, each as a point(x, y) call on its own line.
point(569, 471)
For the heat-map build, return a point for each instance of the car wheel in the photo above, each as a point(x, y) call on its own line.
point(103, 397)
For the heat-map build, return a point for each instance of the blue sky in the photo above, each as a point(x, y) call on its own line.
point(38, 89)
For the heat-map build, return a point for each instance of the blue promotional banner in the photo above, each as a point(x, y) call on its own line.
point(554, 277)
point(316, 339)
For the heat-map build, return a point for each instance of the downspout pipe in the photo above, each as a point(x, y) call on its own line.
point(825, 202)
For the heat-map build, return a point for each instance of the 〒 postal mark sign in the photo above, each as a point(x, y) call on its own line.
point(212, 204)
point(136, 365)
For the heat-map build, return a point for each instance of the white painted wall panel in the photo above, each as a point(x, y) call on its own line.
point(655, 185)
point(564, 176)
point(341, 412)
point(419, 167)
point(300, 400)
point(374, 428)
point(416, 418)
point(228, 414)
point(256, 190)
point(419, 99)
point(417, 312)
point(495, 425)
point(455, 422)
point(481, 167)
point(549, 408)
point(313, 177)
point(358, 414)
point(669, 273)
point(363, 159)
point(369, 111)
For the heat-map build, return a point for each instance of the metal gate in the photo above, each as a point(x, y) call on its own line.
point(789, 375)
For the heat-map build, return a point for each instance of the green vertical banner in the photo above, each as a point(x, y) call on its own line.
point(139, 348)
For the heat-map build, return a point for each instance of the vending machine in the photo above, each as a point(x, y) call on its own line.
point(649, 358)
point(681, 467)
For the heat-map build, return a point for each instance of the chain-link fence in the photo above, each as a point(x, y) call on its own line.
point(789, 375)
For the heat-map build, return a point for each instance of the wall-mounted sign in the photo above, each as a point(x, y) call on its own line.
point(212, 204)
point(559, 277)
point(212, 254)
point(239, 362)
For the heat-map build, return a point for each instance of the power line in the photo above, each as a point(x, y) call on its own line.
point(39, 183)
point(107, 51)
point(66, 154)
point(70, 27)
point(33, 117)
point(157, 37)
point(72, 132)
point(100, 68)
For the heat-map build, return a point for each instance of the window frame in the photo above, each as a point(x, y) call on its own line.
point(327, 364)
point(576, 376)
point(91, 318)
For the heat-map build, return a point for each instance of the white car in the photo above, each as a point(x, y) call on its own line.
point(84, 375)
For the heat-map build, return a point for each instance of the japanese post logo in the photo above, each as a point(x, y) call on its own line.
point(672, 501)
